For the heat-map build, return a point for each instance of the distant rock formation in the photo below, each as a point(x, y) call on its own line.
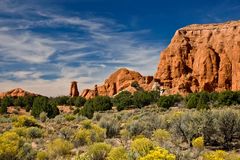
point(74, 89)
point(119, 81)
point(17, 92)
point(202, 57)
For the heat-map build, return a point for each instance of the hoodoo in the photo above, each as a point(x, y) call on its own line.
point(74, 89)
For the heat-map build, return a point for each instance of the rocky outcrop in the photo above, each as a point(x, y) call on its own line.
point(74, 89)
point(120, 80)
point(17, 92)
point(202, 57)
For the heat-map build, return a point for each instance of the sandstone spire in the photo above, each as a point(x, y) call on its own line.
point(74, 89)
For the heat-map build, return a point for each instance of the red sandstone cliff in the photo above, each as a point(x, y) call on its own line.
point(202, 57)
point(17, 92)
point(119, 81)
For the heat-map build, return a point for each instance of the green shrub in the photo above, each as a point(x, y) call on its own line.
point(210, 127)
point(98, 151)
point(79, 101)
point(135, 128)
point(168, 101)
point(61, 100)
point(117, 153)
point(141, 99)
point(123, 100)
point(203, 100)
point(69, 117)
point(111, 125)
point(187, 125)
point(19, 101)
point(88, 109)
point(6, 102)
point(59, 147)
point(102, 103)
point(227, 98)
point(34, 132)
point(97, 116)
point(28, 101)
point(41, 155)
point(26, 152)
point(42, 104)
point(155, 95)
point(67, 132)
point(71, 101)
point(192, 101)
point(161, 135)
point(43, 116)
point(229, 126)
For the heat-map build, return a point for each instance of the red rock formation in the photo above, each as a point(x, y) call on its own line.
point(202, 57)
point(17, 92)
point(74, 89)
point(119, 81)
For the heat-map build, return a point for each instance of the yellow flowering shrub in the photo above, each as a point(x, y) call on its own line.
point(41, 155)
point(98, 151)
point(142, 146)
point(59, 147)
point(21, 131)
point(161, 135)
point(159, 154)
point(173, 115)
point(198, 143)
point(217, 155)
point(9, 145)
point(117, 153)
point(25, 121)
point(220, 155)
point(89, 134)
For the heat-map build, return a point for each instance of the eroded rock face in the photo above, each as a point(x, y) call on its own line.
point(17, 92)
point(119, 81)
point(202, 57)
point(74, 89)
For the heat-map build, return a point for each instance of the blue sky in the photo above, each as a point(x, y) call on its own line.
point(46, 44)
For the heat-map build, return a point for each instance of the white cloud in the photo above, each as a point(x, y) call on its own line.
point(87, 58)
point(25, 47)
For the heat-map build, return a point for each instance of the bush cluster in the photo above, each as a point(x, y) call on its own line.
point(99, 103)
point(139, 99)
point(43, 104)
point(25, 102)
point(203, 100)
point(168, 101)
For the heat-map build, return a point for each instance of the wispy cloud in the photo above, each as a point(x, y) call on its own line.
point(37, 44)
point(225, 10)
